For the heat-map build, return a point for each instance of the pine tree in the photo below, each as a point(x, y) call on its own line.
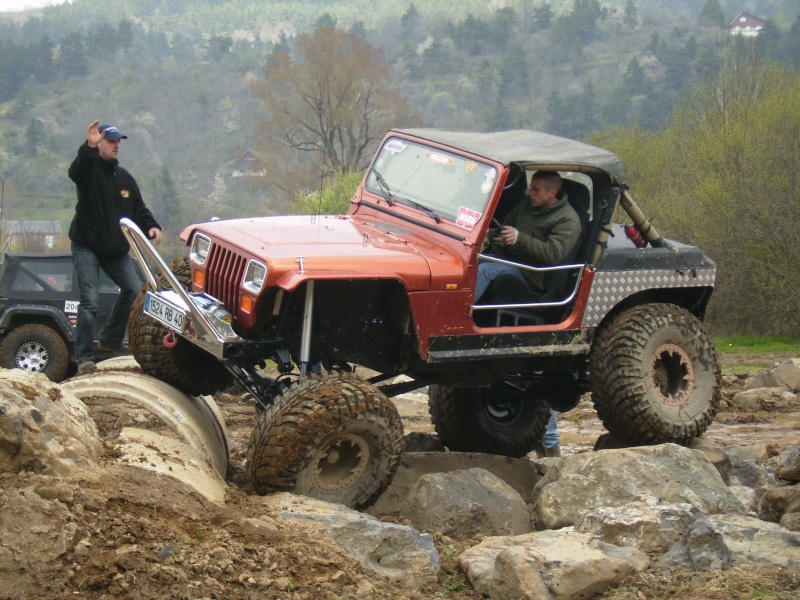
point(711, 14)
point(72, 60)
point(630, 18)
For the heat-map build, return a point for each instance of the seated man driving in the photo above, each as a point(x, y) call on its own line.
point(541, 232)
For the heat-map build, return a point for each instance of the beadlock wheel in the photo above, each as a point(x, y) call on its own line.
point(494, 420)
point(339, 464)
point(334, 437)
point(655, 375)
point(672, 373)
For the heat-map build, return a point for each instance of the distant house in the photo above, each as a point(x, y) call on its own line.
point(40, 234)
point(747, 25)
point(247, 164)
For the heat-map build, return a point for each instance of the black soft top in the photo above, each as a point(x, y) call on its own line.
point(526, 148)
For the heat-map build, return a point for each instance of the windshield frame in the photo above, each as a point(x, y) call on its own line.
point(417, 175)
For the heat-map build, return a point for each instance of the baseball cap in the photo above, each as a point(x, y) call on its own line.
point(112, 133)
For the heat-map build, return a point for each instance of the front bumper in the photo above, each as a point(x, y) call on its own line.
point(202, 322)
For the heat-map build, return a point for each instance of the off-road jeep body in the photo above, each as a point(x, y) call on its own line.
point(390, 287)
point(39, 300)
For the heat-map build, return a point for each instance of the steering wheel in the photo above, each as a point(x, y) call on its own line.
point(490, 243)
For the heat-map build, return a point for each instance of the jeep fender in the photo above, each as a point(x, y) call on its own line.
point(32, 313)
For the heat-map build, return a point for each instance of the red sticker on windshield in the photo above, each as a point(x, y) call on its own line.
point(442, 159)
point(467, 217)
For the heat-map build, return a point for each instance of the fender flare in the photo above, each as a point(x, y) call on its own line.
point(13, 314)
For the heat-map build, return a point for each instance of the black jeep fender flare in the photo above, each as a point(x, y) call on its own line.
point(28, 313)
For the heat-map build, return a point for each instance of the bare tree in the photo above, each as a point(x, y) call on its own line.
point(329, 102)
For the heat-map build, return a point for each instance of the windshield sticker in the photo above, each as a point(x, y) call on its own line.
point(471, 166)
point(395, 147)
point(442, 159)
point(488, 180)
point(467, 217)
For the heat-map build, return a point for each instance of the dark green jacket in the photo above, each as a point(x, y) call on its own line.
point(546, 236)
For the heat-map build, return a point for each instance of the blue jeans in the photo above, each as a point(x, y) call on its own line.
point(551, 439)
point(87, 270)
point(488, 272)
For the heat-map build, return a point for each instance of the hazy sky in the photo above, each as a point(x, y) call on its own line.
point(12, 5)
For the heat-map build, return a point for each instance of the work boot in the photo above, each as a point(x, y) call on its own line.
point(86, 365)
point(114, 349)
point(540, 451)
point(554, 452)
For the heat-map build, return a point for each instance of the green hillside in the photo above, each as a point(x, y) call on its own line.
point(177, 77)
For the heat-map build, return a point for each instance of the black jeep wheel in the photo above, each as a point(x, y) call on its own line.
point(36, 349)
point(185, 366)
point(655, 375)
point(335, 437)
point(494, 420)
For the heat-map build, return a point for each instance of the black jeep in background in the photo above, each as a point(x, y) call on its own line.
point(38, 311)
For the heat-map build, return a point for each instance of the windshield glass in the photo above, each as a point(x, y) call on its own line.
point(443, 184)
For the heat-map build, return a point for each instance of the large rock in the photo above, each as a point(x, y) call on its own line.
point(548, 565)
point(718, 457)
point(789, 464)
point(388, 549)
point(757, 453)
point(650, 525)
point(616, 477)
point(785, 376)
point(767, 399)
point(750, 474)
point(781, 505)
point(466, 504)
point(725, 541)
point(43, 428)
point(519, 473)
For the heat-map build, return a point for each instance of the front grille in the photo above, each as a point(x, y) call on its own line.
point(224, 272)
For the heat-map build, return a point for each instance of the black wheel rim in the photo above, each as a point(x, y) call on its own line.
point(503, 408)
point(672, 374)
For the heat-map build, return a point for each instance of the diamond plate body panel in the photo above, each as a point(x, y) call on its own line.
point(609, 288)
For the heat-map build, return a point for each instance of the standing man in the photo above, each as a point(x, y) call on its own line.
point(106, 193)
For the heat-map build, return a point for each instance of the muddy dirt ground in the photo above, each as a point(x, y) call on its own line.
point(141, 537)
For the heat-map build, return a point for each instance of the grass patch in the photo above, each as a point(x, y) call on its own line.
point(756, 345)
point(747, 355)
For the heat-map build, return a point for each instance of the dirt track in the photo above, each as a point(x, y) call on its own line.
point(136, 535)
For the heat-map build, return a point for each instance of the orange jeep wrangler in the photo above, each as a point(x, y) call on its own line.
point(389, 288)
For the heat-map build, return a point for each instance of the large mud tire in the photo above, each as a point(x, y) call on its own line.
point(335, 437)
point(494, 420)
point(36, 349)
point(655, 375)
point(185, 366)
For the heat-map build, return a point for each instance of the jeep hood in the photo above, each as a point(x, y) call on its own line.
point(295, 248)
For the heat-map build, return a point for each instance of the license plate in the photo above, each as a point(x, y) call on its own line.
point(71, 307)
point(164, 312)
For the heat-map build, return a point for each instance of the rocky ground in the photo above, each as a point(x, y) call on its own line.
point(130, 534)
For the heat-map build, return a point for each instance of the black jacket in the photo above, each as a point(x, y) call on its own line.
point(106, 193)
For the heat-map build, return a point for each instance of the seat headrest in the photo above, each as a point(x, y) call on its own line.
point(577, 194)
